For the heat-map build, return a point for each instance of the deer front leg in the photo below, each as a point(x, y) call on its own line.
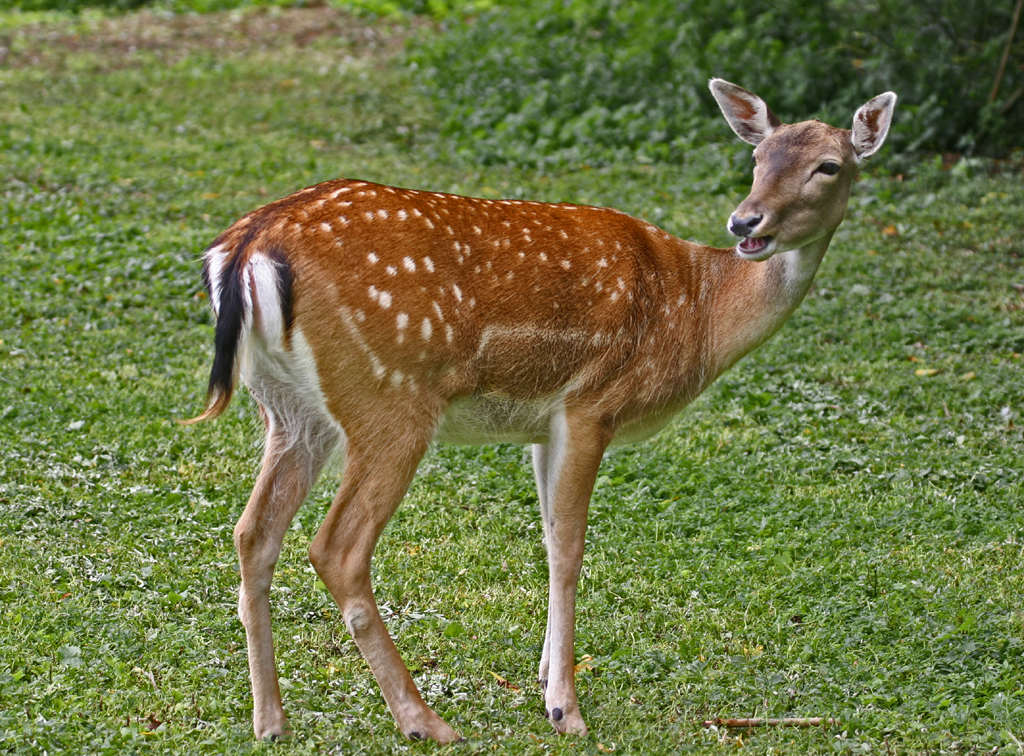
point(540, 474)
point(566, 473)
point(284, 481)
point(374, 483)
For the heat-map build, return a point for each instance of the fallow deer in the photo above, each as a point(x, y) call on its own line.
point(378, 320)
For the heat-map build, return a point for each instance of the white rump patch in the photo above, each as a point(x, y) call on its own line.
point(259, 282)
point(215, 259)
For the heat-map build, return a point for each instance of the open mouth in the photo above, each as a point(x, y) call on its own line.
point(754, 245)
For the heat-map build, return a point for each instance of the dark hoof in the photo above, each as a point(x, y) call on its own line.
point(556, 714)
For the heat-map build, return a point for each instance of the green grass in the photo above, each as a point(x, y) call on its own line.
point(826, 532)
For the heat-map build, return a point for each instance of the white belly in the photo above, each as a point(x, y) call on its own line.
point(490, 419)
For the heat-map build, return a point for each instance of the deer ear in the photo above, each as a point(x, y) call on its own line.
point(871, 124)
point(749, 116)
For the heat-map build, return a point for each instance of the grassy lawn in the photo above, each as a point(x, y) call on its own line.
point(834, 529)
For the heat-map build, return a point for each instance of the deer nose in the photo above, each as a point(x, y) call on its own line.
point(744, 226)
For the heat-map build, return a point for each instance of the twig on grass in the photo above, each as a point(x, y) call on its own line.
point(1006, 52)
point(762, 722)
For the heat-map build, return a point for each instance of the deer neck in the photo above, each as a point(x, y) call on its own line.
point(756, 298)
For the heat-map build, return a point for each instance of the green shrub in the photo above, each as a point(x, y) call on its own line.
point(567, 80)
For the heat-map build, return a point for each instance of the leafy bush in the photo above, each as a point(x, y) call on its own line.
point(569, 80)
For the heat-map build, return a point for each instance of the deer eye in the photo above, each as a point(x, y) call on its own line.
point(829, 168)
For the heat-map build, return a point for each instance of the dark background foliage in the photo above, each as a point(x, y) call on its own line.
point(589, 80)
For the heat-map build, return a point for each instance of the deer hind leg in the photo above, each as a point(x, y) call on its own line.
point(566, 471)
point(378, 469)
point(292, 460)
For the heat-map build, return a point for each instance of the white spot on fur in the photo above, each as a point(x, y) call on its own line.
point(449, 333)
point(428, 264)
point(409, 265)
point(392, 270)
point(402, 215)
point(382, 213)
point(372, 257)
point(602, 263)
point(426, 329)
point(457, 292)
point(357, 338)
point(566, 264)
point(327, 228)
point(438, 310)
point(385, 299)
